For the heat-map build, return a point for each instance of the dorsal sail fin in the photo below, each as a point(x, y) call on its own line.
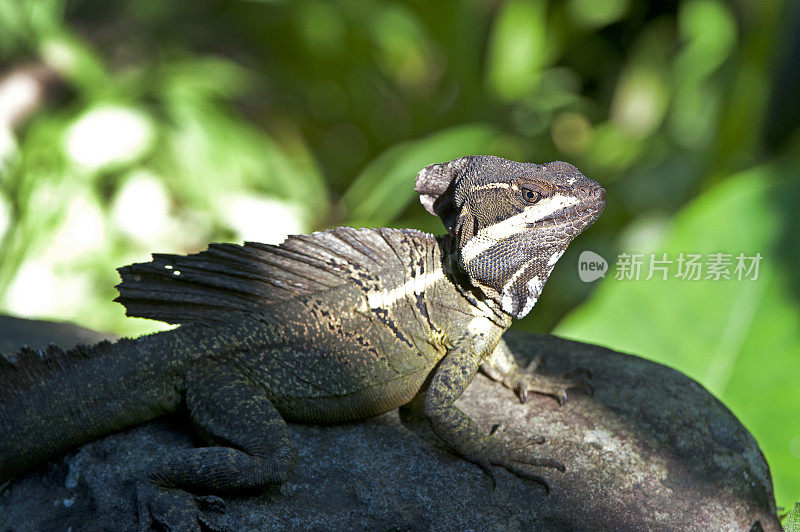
point(227, 279)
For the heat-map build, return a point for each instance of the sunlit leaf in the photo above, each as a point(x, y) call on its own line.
point(89, 141)
point(212, 151)
point(202, 78)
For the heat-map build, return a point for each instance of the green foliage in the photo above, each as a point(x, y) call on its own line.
point(165, 125)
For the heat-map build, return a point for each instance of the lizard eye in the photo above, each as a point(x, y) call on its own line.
point(530, 196)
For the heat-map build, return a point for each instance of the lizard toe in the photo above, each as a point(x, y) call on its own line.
point(522, 472)
point(514, 460)
point(554, 386)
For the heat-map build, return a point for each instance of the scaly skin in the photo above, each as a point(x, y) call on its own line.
point(338, 325)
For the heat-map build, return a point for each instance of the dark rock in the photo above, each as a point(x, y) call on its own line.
point(16, 332)
point(651, 450)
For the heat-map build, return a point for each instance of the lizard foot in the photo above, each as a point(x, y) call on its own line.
point(552, 385)
point(174, 509)
point(514, 460)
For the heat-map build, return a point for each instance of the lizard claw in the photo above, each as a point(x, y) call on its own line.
point(542, 462)
point(554, 386)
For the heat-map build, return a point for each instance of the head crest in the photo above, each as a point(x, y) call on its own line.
point(436, 185)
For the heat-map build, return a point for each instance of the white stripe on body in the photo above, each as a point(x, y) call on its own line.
point(412, 287)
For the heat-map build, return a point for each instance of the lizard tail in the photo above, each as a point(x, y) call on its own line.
point(34, 383)
point(52, 399)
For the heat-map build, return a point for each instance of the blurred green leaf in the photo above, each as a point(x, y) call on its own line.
point(404, 49)
point(741, 339)
point(517, 53)
point(212, 150)
point(36, 180)
point(201, 78)
point(613, 149)
point(78, 62)
point(709, 29)
point(211, 153)
point(23, 24)
point(386, 186)
point(597, 13)
point(321, 25)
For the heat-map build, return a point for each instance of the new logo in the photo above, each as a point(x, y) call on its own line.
point(591, 266)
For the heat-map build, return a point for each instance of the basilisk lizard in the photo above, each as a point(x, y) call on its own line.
point(337, 325)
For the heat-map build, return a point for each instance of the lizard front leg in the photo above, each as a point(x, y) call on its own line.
point(450, 379)
point(256, 451)
point(502, 367)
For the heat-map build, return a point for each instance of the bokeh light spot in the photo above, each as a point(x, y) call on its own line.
point(640, 101)
point(261, 218)
point(141, 208)
point(108, 134)
point(571, 132)
point(82, 231)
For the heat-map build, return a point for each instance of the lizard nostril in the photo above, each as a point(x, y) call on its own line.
point(600, 193)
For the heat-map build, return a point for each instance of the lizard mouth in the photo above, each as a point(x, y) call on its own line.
point(589, 212)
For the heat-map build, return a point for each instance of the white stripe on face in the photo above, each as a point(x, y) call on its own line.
point(513, 225)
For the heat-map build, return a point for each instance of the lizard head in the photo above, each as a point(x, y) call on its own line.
point(510, 221)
